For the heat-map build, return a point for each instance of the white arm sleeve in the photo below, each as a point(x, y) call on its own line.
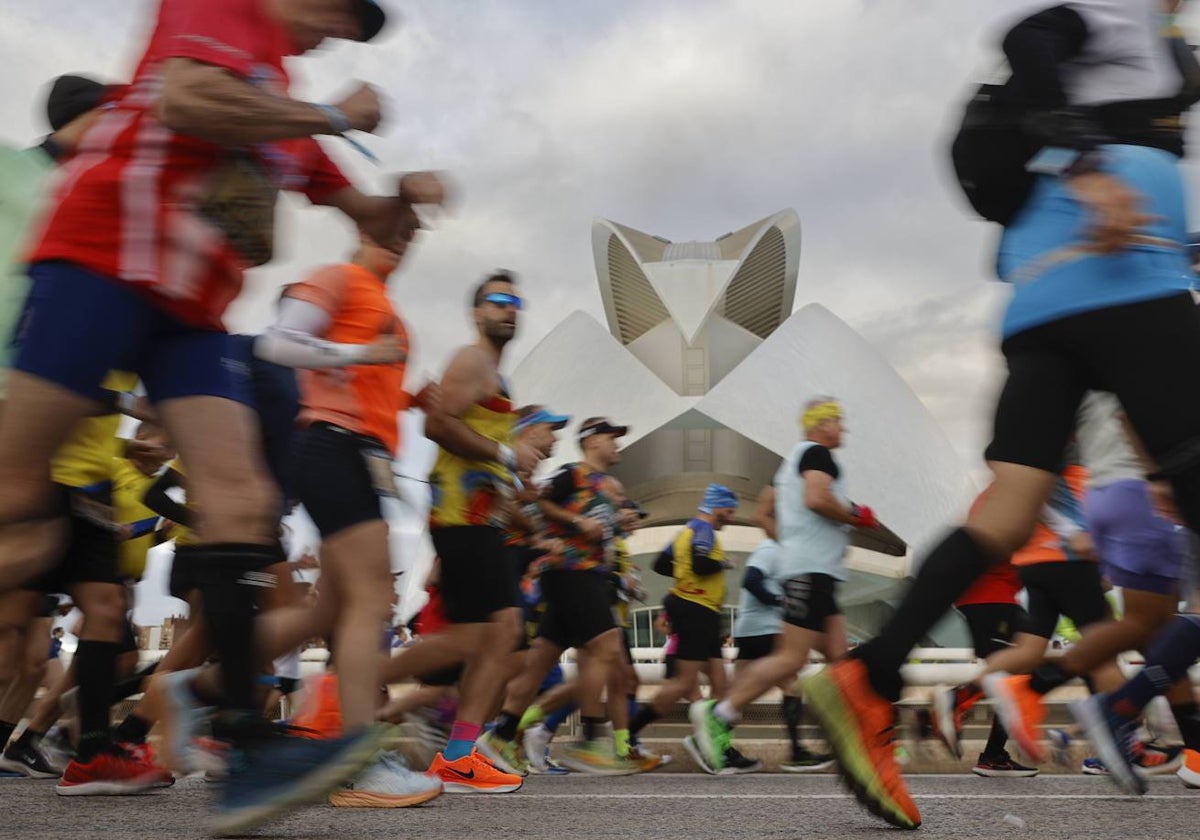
point(294, 339)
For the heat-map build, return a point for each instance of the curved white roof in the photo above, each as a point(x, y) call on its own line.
point(747, 276)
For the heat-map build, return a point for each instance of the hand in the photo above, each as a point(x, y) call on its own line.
point(422, 188)
point(527, 458)
point(146, 451)
point(863, 517)
point(590, 528)
point(429, 398)
point(362, 108)
point(385, 350)
point(1113, 207)
point(1081, 545)
point(123, 532)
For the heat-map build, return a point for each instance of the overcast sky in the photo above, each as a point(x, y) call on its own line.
point(682, 118)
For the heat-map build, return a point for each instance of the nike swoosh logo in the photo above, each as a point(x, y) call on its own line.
point(460, 773)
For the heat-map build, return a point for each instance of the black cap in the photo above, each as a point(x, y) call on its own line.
point(71, 97)
point(600, 426)
point(372, 17)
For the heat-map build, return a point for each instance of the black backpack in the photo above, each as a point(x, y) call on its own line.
point(989, 153)
point(664, 563)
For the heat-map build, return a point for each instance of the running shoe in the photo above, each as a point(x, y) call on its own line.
point(112, 772)
point(1189, 772)
point(1060, 746)
point(1002, 766)
point(646, 760)
point(806, 761)
point(733, 763)
point(388, 783)
point(506, 755)
point(26, 759)
point(736, 764)
point(948, 709)
point(712, 733)
point(271, 776)
point(536, 741)
point(1113, 738)
point(473, 773)
point(1020, 709)
point(172, 702)
point(144, 754)
point(321, 714)
point(597, 758)
point(57, 742)
point(1149, 761)
point(859, 726)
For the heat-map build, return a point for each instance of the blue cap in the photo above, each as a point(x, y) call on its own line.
point(372, 17)
point(542, 415)
point(718, 496)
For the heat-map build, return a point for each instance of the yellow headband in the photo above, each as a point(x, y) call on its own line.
point(819, 413)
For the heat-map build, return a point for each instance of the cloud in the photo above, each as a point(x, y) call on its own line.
point(687, 118)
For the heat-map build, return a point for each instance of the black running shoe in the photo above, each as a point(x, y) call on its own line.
point(28, 760)
point(1001, 766)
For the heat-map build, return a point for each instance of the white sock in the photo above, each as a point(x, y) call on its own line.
point(725, 712)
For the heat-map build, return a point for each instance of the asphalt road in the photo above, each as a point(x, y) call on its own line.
point(661, 805)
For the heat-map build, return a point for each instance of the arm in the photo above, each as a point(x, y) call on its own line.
point(210, 103)
point(764, 514)
point(556, 494)
point(754, 582)
point(294, 340)
point(702, 544)
point(820, 499)
point(157, 500)
point(468, 379)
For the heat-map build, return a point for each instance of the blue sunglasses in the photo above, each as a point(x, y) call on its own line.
point(502, 299)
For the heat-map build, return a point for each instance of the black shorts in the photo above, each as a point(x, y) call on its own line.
point(1136, 351)
point(809, 601)
point(91, 552)
point(128, 639)
point(476, 572)
point(340, 475)
point(697, 627)
point(992, 625)
point(1072, 589)
point(186, 570)
point(626, 638)
point(755, 647)
point(671, 664)
point(577, 608)
point(287, 685)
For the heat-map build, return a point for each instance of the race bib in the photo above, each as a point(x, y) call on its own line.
point(379, 467)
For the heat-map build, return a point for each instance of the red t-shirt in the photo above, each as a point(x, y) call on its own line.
point(998, 585)
point(126, 204)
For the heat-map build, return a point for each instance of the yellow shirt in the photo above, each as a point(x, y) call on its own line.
point(707, 590)
point(129, 487)
point(469, 492)
point(86, 459)
point(183, 535)
point(624, 566)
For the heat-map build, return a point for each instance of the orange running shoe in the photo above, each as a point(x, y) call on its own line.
point(321, 714)
point(859, 725)
point(473, 774)
point(1021, 711)
point(1189, 773)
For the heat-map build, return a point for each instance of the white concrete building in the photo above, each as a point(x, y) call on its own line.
point(702, 355)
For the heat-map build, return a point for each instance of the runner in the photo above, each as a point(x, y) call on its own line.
point(582, 514)
point(1114, 208)
point(182, 172)
point(340, 329)
point(472, 483)
point(813, 519)
point(693, 606)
